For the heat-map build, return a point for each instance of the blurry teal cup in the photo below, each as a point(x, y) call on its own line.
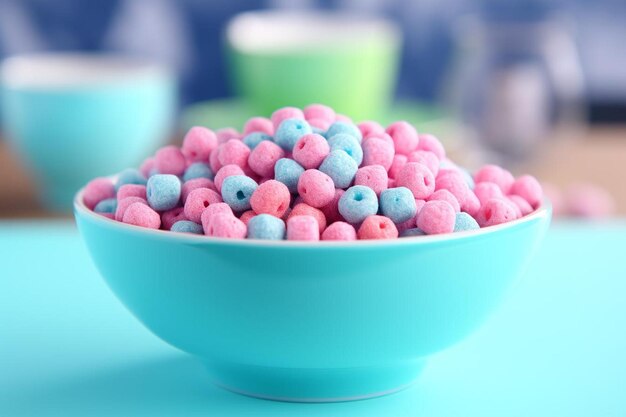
point(313, 322)
point(73, 117)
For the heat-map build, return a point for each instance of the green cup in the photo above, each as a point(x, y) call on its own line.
point(298, 58)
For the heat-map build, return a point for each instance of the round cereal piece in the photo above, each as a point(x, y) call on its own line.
point(349, 144)
point(163, 191)
point(407, 224)
point(404, 137)
point(343, 118)
point(259, 125)
point(186, 226)
point(430, 143)
point(397, 163)
point(198, 170)
point(212, 210)
point(310, 150)
point(529, 189)
point(417, 178)
point(465, 222)
point(454, 182)
point(303, 209)
point(237, 191)
point(266, 226)
point(369, 127)
point(319, 126)
point(344, 127)
point(372, 176)
point(108, 206)
point(436, 217)
point(252, 140)
point(357, 203)
point(303, 227)
point(234, 152)
point(486, 191)
point(340, 167)
point(339, 231)
point(226, 134)
point(189, 186)
point(198, 144)
point(147, 167)
point(139, 214)
point(288, 172)
point(331, 210)
point(285, 113)
point(521, 204)
point(316, 188)
point(398, 204)
point(445, 195)
point(131, 190)
point(319, 111)
point(391, 183)
point(170, 160)
point(497, 175)
point(263, 158)
point(588, 200)
point(97, 190)
point(427, 158)
point(382, 136)
point(377, 227)
point(197, 201)
point(471, 205)
point(169, 217)
point(129, 176)
point(226, 226)
point(415, 231)
point(496, 211)
point(271, 197)
point(377, 151)
point(214, 161)
point(290, 131)
point(225, 172)
point(246, 216)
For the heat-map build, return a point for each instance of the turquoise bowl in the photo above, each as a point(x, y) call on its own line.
point(73, 117)
point(311, 322)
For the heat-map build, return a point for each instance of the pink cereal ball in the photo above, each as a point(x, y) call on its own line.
point(140, 214)
point(226, 134)
point(168, 218)
point(131, 190)
point(529, 189)
point(191, 185)
point(408, 224)
point(521, 204)
point(246, 216)
point(198, 144)
point(225, 172)
point(454, 182)
point(382, 136)
point(399, 161)
point(436, 217)
point(319, 111)
point(303, 227)
point(417, 178)
point(212, 210)
point(263, 158)
point(310, 150)
point(445, 195)
point(226, 226)
point(271, 197)
point(377, 152)
point(319, 124)
point(331, 210)
point(170, 160)
point(304, 209)
point(123, 204)
point(496, 211)
point(372, 176)
point(339, 231)
point(370, 127)
point(342, 118)
point(214, 161)
point(589, 200)
point(471, 204)
point(316, 188)
point(497, 175)
point(198, 200)
point(404, 137)
point(430, 143)
point(377, 227)
point(259, 124)
point(486, 191)
point(286, 113)
point(427, 158)
point(234, 152)
point(146, 167)
point(97, 190)
point(391, 183)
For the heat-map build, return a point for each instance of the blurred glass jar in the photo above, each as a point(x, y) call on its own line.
point(515, 83)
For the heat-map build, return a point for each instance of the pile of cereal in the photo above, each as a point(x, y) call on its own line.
point(311, 175)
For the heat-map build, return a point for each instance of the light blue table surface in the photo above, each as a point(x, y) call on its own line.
point(557, 347)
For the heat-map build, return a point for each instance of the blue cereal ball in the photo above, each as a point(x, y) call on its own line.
point(340, 167)
point(357, 203)
point(237, 190)
point(187, 226)
point(348, 144)
point(344, 127)
point(130, 176)
point(416, 231)
point(465, 222)
point(198, 170)
point(398, 204)
point(289, 131)
point(288, 172)
point(266, 226)
point(163, 191)
point(254, 138)
point(108, 205)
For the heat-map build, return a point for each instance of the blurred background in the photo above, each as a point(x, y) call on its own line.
point(536, 85)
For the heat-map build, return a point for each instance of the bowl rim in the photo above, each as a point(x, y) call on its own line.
point(543, 211)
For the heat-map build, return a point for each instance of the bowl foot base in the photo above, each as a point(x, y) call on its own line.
point(314, 385)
